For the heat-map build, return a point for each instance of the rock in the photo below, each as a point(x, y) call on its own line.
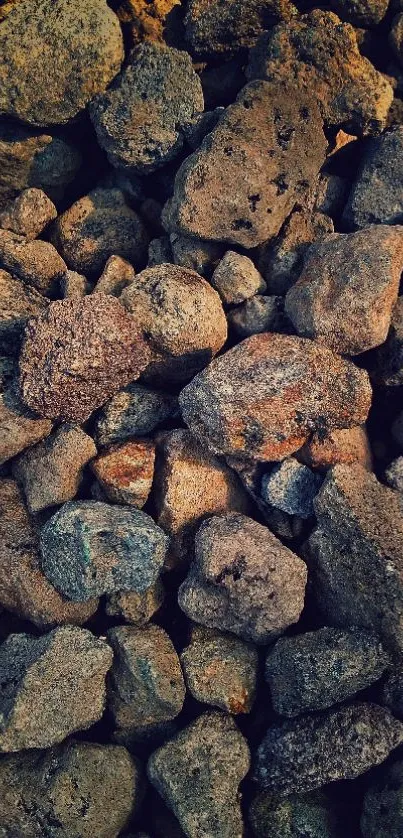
point(51, 686)
point(388, 369)
point(382, 808)
point(257, 315)
point(349, 284)
point(159, 251)
point(351, 93)
point(391, 694)
point(198, 772)
point(190, 483)
point(347, 447)
point(265, 397)
point(136, 608)
point(312, 671)
point(148, 20)
point(125, 472)
point(77, 354)
point(146, 685)
point(182, 317)
point(243, 580)
point(97, 226)
point(134, 411)
point(236, 279)
point(55, 58)
point(394, 474)
point(78, 788)
point(331, 195)
point(19, 427)
point(269, 130)
point(220, 670)
point(24, 590)
point(36, 262)
point(396, 37)
point(206, 122)
point(91, 548)
point(29, 214)
point(116, 275)
point(196, 254)
point(74, 286)
point(139, 120)
point(303, 754)
point(376, 194)
point(18, 302)
point(361, 12)
point(358, 548)
point(50, 472)
point(291, 487)
point(8, 369)
point(312, 815)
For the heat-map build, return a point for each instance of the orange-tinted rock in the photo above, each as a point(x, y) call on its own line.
point(125, 472)
point(36, 262)
point(135, 608)
point(347, 446)
point(29, 214)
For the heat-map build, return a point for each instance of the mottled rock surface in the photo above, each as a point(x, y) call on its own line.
point(136, 608)
point(74, 285)
point(222, 29)
point(291, 487)
point(18, 302)
point(376, 194)
point(149, 20)
point(36, 262)
point(382, 808)
point(125, 472)
point(116, 275)
point(361, 12)
point(388, 367)
point(29, 213)
point(134, 411)
point(347, 446)
point(394, 474)
point(311, 815)
point(259, 314)
point(236, 279)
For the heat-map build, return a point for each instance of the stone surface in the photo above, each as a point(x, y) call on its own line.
point(97, 226)
point(51, 471)
point(243, 580)
point(182, 318)
point(394, 474)
point(139, 120)
point(266, 396)
point(18, 302)
point(307, 753)
point(269, 143)
point(77, 354)
point(198, 773)
point(309, 815)
point(222, 29)
point(36, 262)
point(29, 213)
point(291, 487)
point(150, 20)
point(348, 287)
point(351, 93)
point(125, 472)
point(220, 670)
point(376, 194)
point(134, 411)
point(74, 286)
point(236, 279)
point(197, 254)
point(136, 608)
point(361, 12)
point(257, 315)
point(347, 447)
point(19, 427)
point(159, 251)
point(55, 57)
point(51, 686)
point(388, 369)
point(382, 815)
point(116, 275)
point(391, 694)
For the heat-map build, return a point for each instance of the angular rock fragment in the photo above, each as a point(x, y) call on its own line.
point(376, 194)
point(198, 773)
point(259, 314)
point(223, 29)
point(29, 214)
point(196, 254)
point(19, 427)
point(74, 286)
point(291, 487)
point(243, 580)
point(382, 808)
point(36, 262)
point(134, 411)
point(136, 608)
point(236, 279)
point(388, 367)
point(18, 302)
point(347, 447)
point(394, 474)
point(312, 815)
point(361, 12)
point(396, 37)
point(116, 275)
point(125, 472)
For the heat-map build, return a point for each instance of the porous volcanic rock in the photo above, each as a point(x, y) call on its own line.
point(29, 213)
point(376, 193)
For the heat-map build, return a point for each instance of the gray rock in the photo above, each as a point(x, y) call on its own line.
point(361, 12)
point(29, 213)
point(394, 474)
point(292, 487)
point(376, 196)
point(382, 815)
point(18, 302)
point(236, 279)
point(159, 251)
point(257, 315)
point(36, 262)
point(310, 815)
point(206, 122)
point(391, 694)
point(136, 608)
point(134, 411)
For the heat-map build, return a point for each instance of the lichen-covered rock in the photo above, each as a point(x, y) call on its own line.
point(36, 262)
point(125, 472)
point(19, 427)
point(291, 487)
point(77, 354)
point(134, 411)
point(139, 120)
point(243, 580)
point(182, 318)
point(311, 815)
point(214, 28)
point(136, 608)
point(55, 56)
point(268, 145)
point(307, 753)
point(388, 367)
point(236, 279)
point(29, 213)
point(348, 446)
point(265, 397)
point(116, 275)
point(257, 315)
point(361, 12)
point(350, 91)
point(18, 302)
point(394, 474)
point(50, 686)
point(382, 815)
point(198, 773)
point(376, 194)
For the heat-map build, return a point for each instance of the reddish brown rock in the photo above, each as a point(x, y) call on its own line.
point(116, 275)
point(29, 214)
point(19, 427)
point(125, 472)
point(347, 446)
point(36, 262)
point(388, 367)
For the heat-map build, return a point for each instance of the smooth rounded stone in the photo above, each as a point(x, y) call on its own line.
point(75, 789)
point(265, 397)
point(394, 474)
point(376, 194)
point(196, 254)
point(91, 548)
point(139, 120)
point(236, 279)
point(50, 686)
point(361, 12)
point(136, 608)
point(304, 754)
point(51, 471)
point(18, 302)
point(189, 484)
point(55, 56)
point(351, 93)
point(159, 251)
point(36, 262)
point(346, 446)
point(24, 590)
point(125, 472)
point(74, 286)
point(312, 671)
point(265, 148)
point(134, 411)
point(309, 815)
point(97, 226)
point(182, 317)
point(396, 37)
point(291, 487)
point(198, 773)
point(220, 670)
point(382, 814)
point(243, 580)
point(146, 685)
point(116, 275)
point(257, 315)
point(388, 370)
point(29, 214)
point(348, 287)
point(19, 427)
point(355, 555)
point(331, 194)
point(77, 354)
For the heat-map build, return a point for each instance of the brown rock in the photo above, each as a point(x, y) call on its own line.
point(29, 214)
point(125, 472)
point(36, 262)
point(19, 427)
point(116, 275)
point(18, 302)
point(78, 354)
point(236, 279)
point(136, 608)
point(347, 446)
point(198, 255)
point(74, 286)
point(149, 19)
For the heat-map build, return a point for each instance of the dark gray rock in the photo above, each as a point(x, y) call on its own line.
point(391, 694)
point(29, 214)
point(198, 255)
point(206, 122)
point(257, 315)
point(159, 251)
point(291, 487)
point(394, 474)
point(364, 13)
point(376, 196)
point(382, 812)
point(388, 364)
point(134, 411)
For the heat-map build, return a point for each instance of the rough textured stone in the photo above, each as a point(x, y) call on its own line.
point(74, 286)
point(394, 474)
point(136, 608)
point(265, 397)
point(269, 144)
point(307, 753)
point(220, 670)
point(351, 93)
point(310, 815)
point(376, 194)
point(116, 275)
point(29, 213)
point(36, 262)
point(206, 122)
point(349, 284)
point(257, 315)
point(150, 20)
point(51, 686)
point(55, 56)
point(97, 226)
point(361, 12)
point(198, 773)
point(347, 446)
point(51, 471)
point(182, 317)
point(19, 427)
point(196, 254)
point(291, 487)
point(281, 260)
point(134, 411)
point(125, 472)
point(18, 302)
point(243, 580)
point(388, 369)
point(139, 120)
point(214, 28)
point(382, 815)
point(236, 279)
point(77, 354)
